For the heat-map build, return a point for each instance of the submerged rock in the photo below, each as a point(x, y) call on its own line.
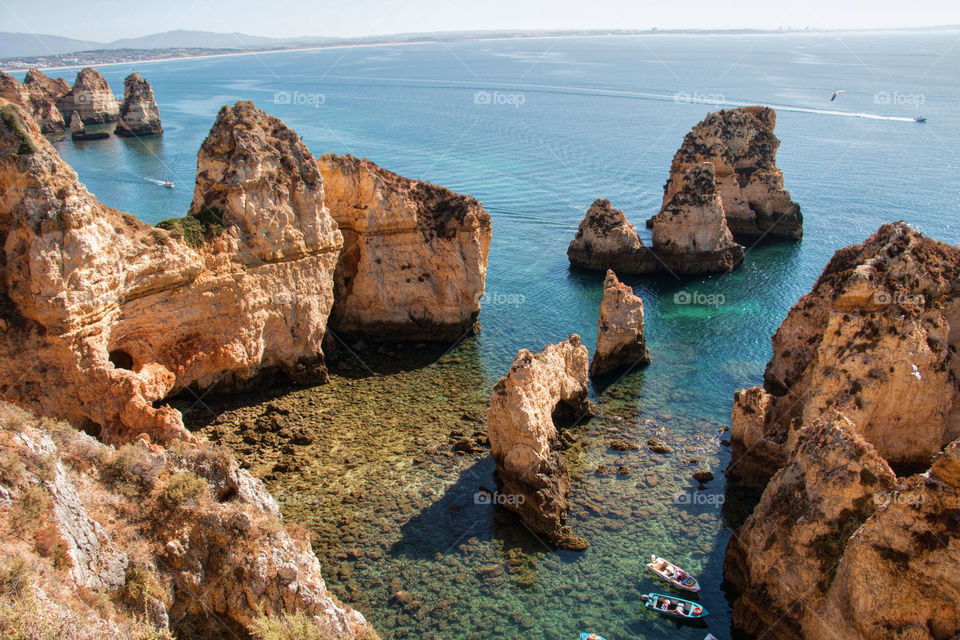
point(414, 259)
point(876, 339)
point(620, 339)
point(690, 233)
point(139, 115)
point(91, 97)
point(605, 240)
point(117, 315)
point(524, 436)
point(741, 146)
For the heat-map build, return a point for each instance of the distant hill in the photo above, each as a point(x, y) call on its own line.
point(29, 44)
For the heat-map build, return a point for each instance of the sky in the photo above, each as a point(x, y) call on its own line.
point(106, 20)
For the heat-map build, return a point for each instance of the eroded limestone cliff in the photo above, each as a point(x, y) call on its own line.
point(539, 390)
point(857, 532)
point(606, 240)
point(91, 97)
point(115, 314)
point(414, 257)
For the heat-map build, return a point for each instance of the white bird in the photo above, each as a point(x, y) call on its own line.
point(916, 373)
point(836, 93)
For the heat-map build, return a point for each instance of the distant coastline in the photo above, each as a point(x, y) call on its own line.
point(113, 57)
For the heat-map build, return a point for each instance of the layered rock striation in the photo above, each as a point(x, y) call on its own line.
point(90, 97)
point(855, 441)
point(116, 314)
point(620, 339)
point(741, 146)
point(414, 259)
point(139, 115)
point(875, 340)
point(690, 234)
point(539, 391)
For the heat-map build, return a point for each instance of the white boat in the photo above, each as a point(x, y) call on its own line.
point(673, 574)
point(168, 184)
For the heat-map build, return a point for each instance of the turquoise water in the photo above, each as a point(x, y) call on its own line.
point(568, 121)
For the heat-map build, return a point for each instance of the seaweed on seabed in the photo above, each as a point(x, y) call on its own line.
point(195, 229)
point(11, 120)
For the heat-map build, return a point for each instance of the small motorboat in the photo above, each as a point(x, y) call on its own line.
point(673, 574)
point(168, 184)
point(591, 636)
point(919, 119)
point(673, 606)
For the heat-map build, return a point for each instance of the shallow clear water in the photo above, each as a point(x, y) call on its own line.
point(537, 129)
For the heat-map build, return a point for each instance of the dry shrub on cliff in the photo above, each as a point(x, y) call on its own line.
point(291, 627)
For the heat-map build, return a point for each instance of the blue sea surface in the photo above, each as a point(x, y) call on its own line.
point(539, 128)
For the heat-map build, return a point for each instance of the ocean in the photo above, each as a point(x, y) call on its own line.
point(537, 129)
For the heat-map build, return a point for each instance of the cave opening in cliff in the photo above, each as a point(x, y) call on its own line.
point(121, 359)
point(565, 416)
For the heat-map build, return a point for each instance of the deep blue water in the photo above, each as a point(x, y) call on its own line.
point(537, 129)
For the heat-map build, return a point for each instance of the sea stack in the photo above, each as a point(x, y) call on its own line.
point(414, 259)
point(539, 390)
point(854, 441)
point(77, 130)
point(91, 97)
point(139, 115)
point(690, 233)
point(606, 240)
point(620, 340)
point(741, 146)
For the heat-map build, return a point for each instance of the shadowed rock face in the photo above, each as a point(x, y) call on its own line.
point(620, 340)
point(524, 438)
point(860, 393)
point(139, 115)
point(414, 260)
point(91, 97)
point(876, 339)
point(38, 95)
point(605, 240)
point(741, 146)
point(115, 314)
point(690, 233)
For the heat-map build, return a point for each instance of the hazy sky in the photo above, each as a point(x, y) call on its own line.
point(105, 20)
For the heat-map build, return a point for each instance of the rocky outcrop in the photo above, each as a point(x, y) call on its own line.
point(79, 132)
point(741, 146)
point(690, 234)
point(91, 97)
point(139, 115)
point(116, 315)
point(38, 95)
point(414, 259)
point(178, 539)
point(539, 390)
point(606, 240)
point(861, 393)
point(876, 340)
point(620, 340)
point(840, 547)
